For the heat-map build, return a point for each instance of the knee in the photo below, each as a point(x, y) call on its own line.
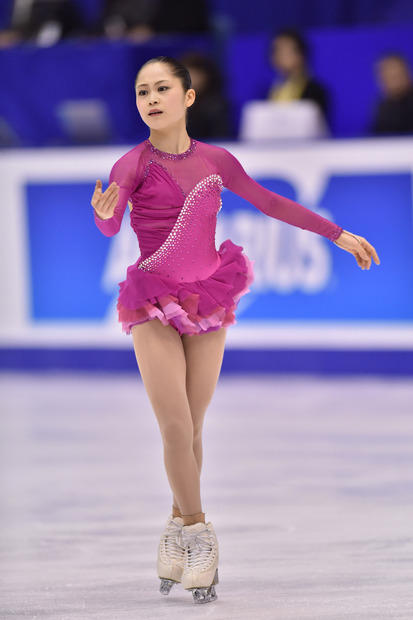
point(178, 435)
point(197, 414)
point(197, 432)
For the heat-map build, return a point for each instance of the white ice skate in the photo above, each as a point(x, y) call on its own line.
point(171, 554)
point(201, 561)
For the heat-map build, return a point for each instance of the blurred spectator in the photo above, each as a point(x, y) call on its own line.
point(143, 19)
point(208, 117)
point(44, 22)
point(394, 113)
point(289, 56)
point(128, 18)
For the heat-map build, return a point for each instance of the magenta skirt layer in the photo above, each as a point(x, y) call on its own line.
point(190, 307)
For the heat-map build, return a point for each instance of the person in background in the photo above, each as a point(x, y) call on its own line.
point(394, 112)
point(208, 117)
point(289, 57)
point(44, 22)
point(128, 18)
point(143, 20)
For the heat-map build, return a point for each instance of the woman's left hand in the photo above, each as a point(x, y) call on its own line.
point(361, 249)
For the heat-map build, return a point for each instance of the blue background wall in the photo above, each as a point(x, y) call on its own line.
point(343, 59)
point(247, 16)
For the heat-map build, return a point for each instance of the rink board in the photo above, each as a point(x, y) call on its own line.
point(59, 275)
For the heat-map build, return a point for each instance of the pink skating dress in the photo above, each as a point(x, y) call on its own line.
point(180, 277)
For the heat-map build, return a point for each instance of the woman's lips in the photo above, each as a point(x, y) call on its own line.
point(155, 112)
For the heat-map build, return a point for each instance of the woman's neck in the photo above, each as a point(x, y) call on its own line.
point(299, 73)
point(174, 142)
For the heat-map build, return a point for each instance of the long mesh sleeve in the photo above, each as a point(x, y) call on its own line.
point(237, 180)
point(125, 174)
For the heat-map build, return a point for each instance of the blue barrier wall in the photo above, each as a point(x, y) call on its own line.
point(309, 302)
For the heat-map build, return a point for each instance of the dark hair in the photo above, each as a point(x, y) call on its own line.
point(195, 60)
point(395, 56)
point(299, 41)
point(176, 67)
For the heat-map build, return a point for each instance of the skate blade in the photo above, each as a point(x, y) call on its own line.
point(166, 585)
point(206, 595)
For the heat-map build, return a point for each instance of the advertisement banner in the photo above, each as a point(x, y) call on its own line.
point(60, 275)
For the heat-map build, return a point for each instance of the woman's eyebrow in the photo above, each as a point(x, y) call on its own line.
point(156, 83)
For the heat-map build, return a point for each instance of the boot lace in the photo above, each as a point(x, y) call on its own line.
point(172, 542)
point(200, 547)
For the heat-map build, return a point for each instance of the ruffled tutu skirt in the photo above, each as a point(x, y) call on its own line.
point(190, 307)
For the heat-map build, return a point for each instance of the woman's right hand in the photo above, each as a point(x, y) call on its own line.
point(104, 203)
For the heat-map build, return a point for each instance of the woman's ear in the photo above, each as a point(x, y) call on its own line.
point(190, 97)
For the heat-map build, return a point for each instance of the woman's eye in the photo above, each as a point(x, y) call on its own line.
point(141, 93)
point(162, 88)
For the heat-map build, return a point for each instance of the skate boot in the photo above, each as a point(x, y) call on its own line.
point(171, 554)
point(201, 561)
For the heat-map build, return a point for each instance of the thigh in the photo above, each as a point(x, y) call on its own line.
point(162, 365)
point(204, 354)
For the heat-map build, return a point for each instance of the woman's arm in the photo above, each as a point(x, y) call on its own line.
point(237, 180)
point(109, 206)
point(274, 205)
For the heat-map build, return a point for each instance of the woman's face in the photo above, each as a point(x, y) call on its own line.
point(394, 77)
point(286, 57)
point(160, 97)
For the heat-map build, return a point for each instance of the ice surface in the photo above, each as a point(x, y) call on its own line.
point(308, 482)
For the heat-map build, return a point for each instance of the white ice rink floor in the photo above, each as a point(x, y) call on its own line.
point(308, 482)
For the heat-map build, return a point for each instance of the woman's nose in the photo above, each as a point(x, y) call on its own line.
point(153, 98)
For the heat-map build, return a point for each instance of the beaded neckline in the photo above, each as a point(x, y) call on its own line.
point(174, 156)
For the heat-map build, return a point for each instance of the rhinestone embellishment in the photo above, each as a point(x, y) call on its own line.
point(336, 233)
point(173, 156)
point(193, 235)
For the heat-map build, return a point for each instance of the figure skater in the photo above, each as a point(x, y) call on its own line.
point(180, 296)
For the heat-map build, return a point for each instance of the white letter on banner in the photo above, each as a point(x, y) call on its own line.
point(287, 258)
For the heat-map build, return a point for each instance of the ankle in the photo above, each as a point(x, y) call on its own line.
point(175, 512)
point(197, 517)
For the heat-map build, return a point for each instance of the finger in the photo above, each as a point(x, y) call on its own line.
point(366, 259)
point(112, 187)
point(367, 263)
point(358, 259)
point(363, 249)
point(112, 202)
point(375, 256)
point(109, 200)
point(362, 262)
point(96, 197)
point(98, 188)
point(372, 251)
point(112, 193)
point(112, 190)
point(97, 192)
point(105, 203)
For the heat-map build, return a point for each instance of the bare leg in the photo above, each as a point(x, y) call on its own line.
point(162, 364)
point(204, 354)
